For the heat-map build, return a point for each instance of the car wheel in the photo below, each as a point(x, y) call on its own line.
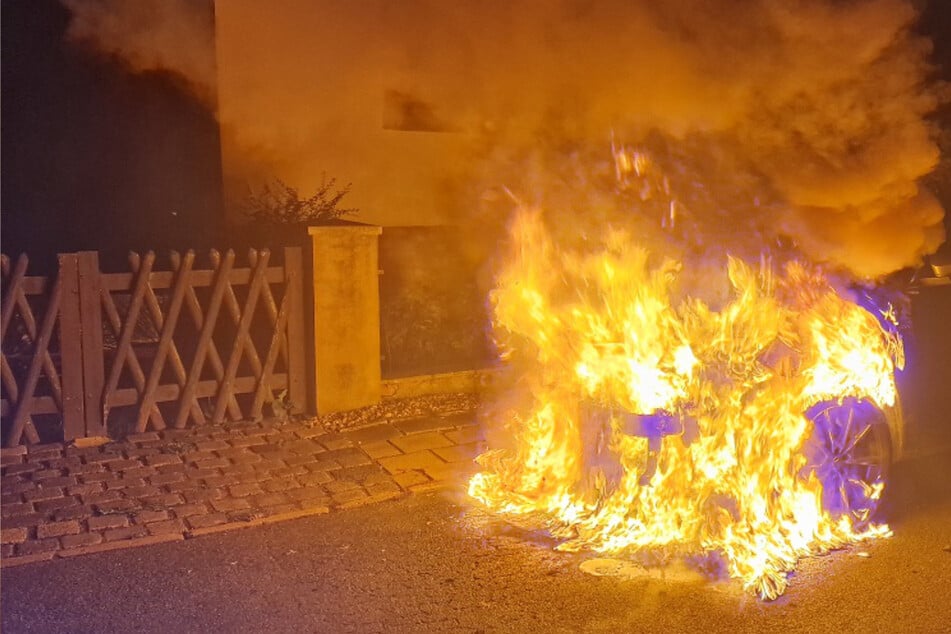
point(850, 453)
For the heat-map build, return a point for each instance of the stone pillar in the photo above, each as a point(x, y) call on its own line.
point(346, 316)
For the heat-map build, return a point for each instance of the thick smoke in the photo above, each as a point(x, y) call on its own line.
point(799, 122)
point(152, 35)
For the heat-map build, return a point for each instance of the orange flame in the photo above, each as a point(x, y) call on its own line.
point(598, 336)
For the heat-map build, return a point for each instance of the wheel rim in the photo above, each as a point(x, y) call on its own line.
point(849, 453)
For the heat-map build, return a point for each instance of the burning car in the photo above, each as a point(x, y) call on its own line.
point(853, 442)
point(851, 448)
point(744, 412)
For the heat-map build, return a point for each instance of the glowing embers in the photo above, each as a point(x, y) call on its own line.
point(641, 417)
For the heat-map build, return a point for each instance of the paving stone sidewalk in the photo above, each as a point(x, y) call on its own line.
point(60, 500)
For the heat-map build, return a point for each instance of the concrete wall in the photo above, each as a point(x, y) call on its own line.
point(347, 318)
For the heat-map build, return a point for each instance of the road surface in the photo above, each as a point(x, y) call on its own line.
point(430, 563)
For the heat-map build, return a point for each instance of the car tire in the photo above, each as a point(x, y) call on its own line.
point(849, 451)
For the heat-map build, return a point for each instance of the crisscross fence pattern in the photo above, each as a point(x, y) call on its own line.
point(150, 347)
point(29, 366)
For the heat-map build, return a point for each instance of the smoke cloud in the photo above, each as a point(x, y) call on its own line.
point(803, 123)
point(174, 36)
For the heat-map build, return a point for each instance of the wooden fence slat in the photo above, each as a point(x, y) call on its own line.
point(29, 321)
point(166, 347)
point(125, 331)
point(93, 363)
point(204, 338)
point(36, 285)
point(17, 297)
point(264, 388)
point(234, 309)
point(22, 415)
point(170, 392)
point(178, 368)
point(10, 383)
point(71, 350)
point(296, 337)
point(41, 405)
point(242, 340)
point(122, 356)
point(165, 279)
point(270, 306)
point(12, 291)
point(194, 308)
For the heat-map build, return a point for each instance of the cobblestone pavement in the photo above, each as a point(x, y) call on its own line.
point(60, 500)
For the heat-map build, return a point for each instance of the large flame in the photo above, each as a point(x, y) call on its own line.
point(599, 335)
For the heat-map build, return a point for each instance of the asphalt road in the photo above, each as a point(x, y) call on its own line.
point(430, 564)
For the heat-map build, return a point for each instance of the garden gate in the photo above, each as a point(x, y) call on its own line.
point(90, 353)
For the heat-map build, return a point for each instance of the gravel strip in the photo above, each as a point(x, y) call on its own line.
point(399, 409)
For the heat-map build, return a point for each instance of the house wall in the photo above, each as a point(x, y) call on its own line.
point(344, 90)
